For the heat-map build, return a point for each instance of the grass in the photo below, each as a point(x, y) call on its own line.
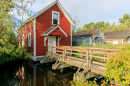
point(84, 44)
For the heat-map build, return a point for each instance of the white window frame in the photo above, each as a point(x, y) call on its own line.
point(115, 42)
point(29, 40)
point(128, 41)
point(23, 38)
point(19, 42)
point(58, 17)
point(107, 42)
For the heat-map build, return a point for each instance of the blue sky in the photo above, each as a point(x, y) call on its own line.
point(88, 11)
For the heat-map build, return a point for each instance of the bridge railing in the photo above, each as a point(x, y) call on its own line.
point(89, 58)
point(97, 54)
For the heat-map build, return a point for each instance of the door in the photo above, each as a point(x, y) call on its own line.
point(52, 42)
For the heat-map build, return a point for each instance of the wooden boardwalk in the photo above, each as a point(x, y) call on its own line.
point(87, 59)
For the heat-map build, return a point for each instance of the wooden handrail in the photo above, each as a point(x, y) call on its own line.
point(99, 54)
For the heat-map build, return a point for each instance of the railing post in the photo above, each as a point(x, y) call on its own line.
point(51, 48)
point(91, 57)
point(104, 56)
point(87, 56)
point(81, 56)
point(65, 53)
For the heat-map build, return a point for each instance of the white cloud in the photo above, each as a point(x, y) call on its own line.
point(90, 10)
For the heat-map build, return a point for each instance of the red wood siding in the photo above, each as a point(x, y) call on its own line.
point(57, 32)
point(28, 28)
point(44, 22)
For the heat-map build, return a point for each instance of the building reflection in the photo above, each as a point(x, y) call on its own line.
point(34, 75)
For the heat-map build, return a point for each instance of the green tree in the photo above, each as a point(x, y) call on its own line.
point(125, 18)
point(8, 40)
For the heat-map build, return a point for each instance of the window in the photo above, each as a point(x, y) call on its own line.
point(107, 42)
point(55, 18)
point(23, 40)
point(19, 42)
point(129, 41)
point(115, 42)
point(29, 39)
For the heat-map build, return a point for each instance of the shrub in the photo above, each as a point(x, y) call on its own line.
point(118, 67)
point(83, 82)
point(11, 52)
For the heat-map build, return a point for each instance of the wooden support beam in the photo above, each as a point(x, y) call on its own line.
point(81, 65)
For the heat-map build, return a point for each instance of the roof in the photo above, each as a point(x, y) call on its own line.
point(51, 29)
point(88, 33)
point(49, 6)
point(117, 34)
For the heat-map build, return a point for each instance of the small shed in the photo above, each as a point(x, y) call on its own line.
point(89, 36)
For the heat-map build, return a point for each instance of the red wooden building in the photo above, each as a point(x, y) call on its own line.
point(52, 26)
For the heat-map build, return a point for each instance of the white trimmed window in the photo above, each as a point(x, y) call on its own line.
point(22, 40)
point(115, 42)
point(129, 41)
point(107, 42)
point(29, 39)
point(55, 17)
point(19, 42)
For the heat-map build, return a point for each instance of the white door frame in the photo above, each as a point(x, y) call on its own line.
point(54, 40)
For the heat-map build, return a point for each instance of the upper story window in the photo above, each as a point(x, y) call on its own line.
point(29, 39)
point(55, 18)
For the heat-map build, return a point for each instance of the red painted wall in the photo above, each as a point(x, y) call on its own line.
point(57, 32)
point(28, 28)
point(44, 22)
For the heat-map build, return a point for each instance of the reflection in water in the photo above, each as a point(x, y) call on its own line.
point(27, 74)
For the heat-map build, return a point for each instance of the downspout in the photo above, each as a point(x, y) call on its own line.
point(34, 39)
point(71, 35)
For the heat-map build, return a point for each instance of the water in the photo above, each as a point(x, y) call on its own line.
point(23, 73)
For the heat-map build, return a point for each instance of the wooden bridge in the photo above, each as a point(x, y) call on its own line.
point(87, 59)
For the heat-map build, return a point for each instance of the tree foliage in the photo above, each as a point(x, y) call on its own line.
point(107, 27)
point(8, 24)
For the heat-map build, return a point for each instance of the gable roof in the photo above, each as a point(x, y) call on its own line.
point(117, 34)
point(49, 6)
point(88, 33)
point(51, 29)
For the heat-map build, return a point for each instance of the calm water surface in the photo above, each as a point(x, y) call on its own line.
point(21, 73)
